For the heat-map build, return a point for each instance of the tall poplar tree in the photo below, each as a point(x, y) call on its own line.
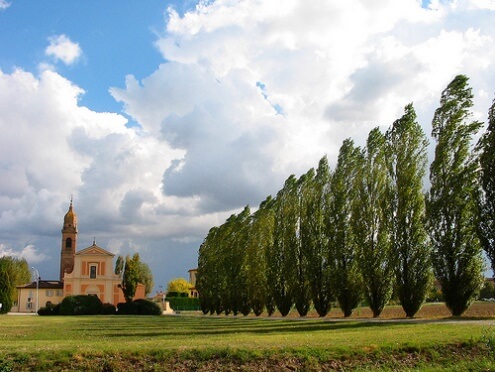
point(451, 208)
point(281, 267)
point(260, 241)
point(371, 224)
point(305, 244)
point(315, 210)
point(407, 159)
point(345, 274)
point(486, 191)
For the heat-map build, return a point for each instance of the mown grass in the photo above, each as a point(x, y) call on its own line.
point(224, 343)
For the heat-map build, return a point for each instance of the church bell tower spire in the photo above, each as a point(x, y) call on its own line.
point(69, 242)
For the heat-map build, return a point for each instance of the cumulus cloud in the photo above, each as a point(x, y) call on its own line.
point(63, 49)
point(29, 253)
point(334, 69)
point(4, 4)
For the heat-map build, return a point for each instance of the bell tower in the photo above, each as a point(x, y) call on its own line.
point(69, 242)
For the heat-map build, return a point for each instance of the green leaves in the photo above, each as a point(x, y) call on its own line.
point(13, 272)
point(486, 190)
point(450, 205)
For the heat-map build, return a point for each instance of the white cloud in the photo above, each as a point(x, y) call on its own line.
point(29, 253)
point(62, 48)
point(4, 4)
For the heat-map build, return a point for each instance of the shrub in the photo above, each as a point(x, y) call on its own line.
point(488, 291)
point(108, 309)
point(184, 303)
point(139, 307)
point(81, 305)
point(49, 309)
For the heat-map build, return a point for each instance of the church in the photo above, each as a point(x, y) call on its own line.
point(89, 271)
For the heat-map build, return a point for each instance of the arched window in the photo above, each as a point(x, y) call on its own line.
point(68, 243)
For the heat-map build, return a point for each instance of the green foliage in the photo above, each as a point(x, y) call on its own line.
point(451, 209)
point(305, 233)
point(145, 277)
point(315, 241)
point(108, 309)
point(486, 189)
point(281, 259)
point(13, 272)
point(49, 309)
point(488, 290)
point(371, 218)
point(139, 307)
point(81, 305)
point(346, 278)
point(406, 155)
point(134, 272)
point(259, 242)
point(119, 265)
point(183, 303)
point(179, 285)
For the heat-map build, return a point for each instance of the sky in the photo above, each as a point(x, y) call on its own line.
point(162, 118)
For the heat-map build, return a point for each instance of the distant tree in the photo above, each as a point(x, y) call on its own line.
point(371, 224)
point(145, 277)
point(13, 272)
point(119, 265)
point(130, 278)
point(451, 207)
point(488, 290)
point(134, 272)
point(407, 159)
point(179, 285)
point(346, 278)
point(486, 190)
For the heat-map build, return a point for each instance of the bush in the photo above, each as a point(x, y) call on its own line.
point(183, 303)
point(81, 305)
point(108, 309)
point(139, 307)
point(488, 291)
point(177, 294)
point(49, 309)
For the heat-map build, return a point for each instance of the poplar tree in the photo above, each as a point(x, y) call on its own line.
point(451, 208)
point(486, 191)
point(371, 227)
point(346, 279)
point(260, 241)
point(407, 159)
point(305, 243)
point(315, 212)
point(281, 268)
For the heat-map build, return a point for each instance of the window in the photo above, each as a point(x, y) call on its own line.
point(68, 243)
point(92, 271)
point(49, 293)
point(60, 293)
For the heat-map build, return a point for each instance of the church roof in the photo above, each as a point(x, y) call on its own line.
point(94, 250)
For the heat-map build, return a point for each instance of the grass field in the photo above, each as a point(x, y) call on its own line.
point(114, 343)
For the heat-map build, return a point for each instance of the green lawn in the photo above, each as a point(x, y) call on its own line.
point(58, 342)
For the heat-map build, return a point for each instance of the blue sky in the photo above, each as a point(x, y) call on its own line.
point(116, 38)
point(163, 118)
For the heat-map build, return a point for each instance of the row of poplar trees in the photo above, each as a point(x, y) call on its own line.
point(366, 228)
